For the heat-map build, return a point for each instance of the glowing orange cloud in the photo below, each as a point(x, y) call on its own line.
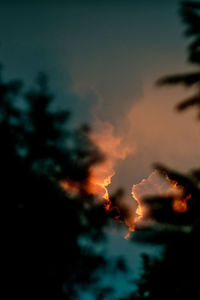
point(114, 149)
point(100, 177)
point(155, 185)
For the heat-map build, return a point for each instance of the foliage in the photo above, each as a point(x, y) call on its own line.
point(176, 273)
point(38, 152)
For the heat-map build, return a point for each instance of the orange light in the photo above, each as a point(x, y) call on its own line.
point(180, 205)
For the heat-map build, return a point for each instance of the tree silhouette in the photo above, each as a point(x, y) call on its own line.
point(45, 255)
point(176, 273)
point(190, 15)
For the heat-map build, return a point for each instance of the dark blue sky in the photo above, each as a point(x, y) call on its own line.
point(101, 49)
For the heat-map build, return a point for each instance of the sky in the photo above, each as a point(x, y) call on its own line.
point(103, 58)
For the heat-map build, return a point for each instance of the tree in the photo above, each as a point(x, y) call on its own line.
point(43, 253)
point(176, 273)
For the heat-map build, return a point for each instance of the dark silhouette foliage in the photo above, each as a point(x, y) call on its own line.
point(190, 12)
point(176, 273)
point(44, 255)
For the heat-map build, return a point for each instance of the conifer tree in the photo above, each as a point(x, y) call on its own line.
point(175, 275)
point(45, 256)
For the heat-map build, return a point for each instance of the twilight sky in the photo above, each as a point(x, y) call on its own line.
point(103, 58)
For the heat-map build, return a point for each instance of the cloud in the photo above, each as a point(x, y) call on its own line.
point(167, 136)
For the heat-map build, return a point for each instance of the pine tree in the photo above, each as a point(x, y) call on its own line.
point(43, 254)
point(176, 273)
